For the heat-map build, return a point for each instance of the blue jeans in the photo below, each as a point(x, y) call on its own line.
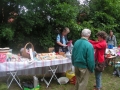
point(98, 79)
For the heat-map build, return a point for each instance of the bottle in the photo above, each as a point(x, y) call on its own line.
point(36, 81)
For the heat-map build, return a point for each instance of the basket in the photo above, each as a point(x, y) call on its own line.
point(24, 53)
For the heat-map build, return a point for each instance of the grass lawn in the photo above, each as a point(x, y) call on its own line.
point(109, 82)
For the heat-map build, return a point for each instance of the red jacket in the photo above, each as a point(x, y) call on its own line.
point(100, 47)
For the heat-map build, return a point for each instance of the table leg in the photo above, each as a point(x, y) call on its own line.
point(14, 77)
point(53, 71)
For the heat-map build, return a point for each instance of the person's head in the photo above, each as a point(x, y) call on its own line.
point(101, 35)
point(111, 33)
point(65, 31)
point(86, 33)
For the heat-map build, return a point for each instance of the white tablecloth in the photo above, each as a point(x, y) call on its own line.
point(34, 67)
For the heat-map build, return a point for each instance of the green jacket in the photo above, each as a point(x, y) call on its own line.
point(83, 55)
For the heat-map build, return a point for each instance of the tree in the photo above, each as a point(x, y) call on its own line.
point(102, 15)
point(37, 21)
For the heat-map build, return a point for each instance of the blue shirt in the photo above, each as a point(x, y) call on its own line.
point(63, 38)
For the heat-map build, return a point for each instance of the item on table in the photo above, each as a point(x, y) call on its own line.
point(3, 57)
point(118, 51)
point(24, 59)
point(5, 50)
point(108, 53)
point(48, 56)
point(9, 55)
point(68, 55)
point(24, 51)
point(12, 57)
point(62, 53)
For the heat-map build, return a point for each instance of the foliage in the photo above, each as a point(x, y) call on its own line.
point(39, 21)
point(103, 15)
point(6, 32)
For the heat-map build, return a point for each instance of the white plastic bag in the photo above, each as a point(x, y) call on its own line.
point(31, 53)
point(73, 69)
point(70, 47)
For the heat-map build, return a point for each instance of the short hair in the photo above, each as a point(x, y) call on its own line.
point(66, 29)
point(102, 34)
point(86, 32)
point(110, 31)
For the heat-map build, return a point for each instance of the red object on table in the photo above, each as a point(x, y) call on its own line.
point(2, 57)
point(108, 55)
point(57, 53)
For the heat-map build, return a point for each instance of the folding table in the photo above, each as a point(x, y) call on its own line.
point(31, 68)
point(111, 60)
point(13, 76)
point(53, 71)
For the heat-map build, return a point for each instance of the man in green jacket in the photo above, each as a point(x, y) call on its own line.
point(83, 60)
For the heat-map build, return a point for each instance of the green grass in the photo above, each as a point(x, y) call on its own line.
point(109, 82)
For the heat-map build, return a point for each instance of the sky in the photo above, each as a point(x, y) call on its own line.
point(81, 1)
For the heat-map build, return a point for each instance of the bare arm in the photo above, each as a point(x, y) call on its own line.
point(59, 43)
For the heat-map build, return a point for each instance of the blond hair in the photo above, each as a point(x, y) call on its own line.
point(66, 29)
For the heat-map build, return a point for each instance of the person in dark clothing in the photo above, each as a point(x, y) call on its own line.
point(61, 40)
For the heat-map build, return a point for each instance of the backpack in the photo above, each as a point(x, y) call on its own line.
point(116, 72)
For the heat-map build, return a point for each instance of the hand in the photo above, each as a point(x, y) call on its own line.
point(64, 45)
point(69, 41)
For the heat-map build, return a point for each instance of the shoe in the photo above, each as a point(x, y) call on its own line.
point(96, 89)
point(94, 85)
point(114, 73)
